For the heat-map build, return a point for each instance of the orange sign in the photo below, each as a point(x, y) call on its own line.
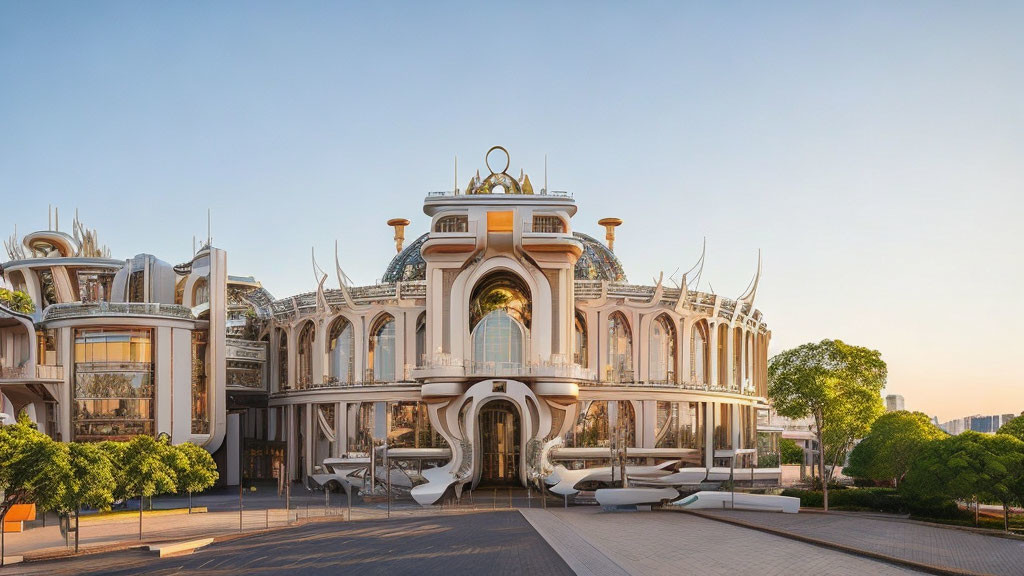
point(499, 221)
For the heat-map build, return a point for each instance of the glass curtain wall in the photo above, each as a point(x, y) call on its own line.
point(113, 389)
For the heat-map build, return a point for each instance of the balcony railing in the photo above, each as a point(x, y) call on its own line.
point(79, 310)
point(27, 373)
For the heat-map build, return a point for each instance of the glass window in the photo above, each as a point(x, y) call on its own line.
point(548, 224)
point(699, 354)
point(409, 426)
point(591, 428)
point(581, 352)
point(361, 418)
point(620, 349)
point(421, 339)
point(200, 292)
point(307, 336)
point(498, 338)
point(94, 286)
point(723, 427)
point(663, 350)
point(340, 351)
point(458, 223)
point(282, 359)
point(200, 390)
point(382, 349)
point(678, 426)
point(113, 384)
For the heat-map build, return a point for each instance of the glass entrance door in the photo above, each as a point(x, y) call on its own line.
point(499, 443)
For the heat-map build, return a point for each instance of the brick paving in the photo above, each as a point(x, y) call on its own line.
point(500, 543)
point(912, 541)
point(670, 543)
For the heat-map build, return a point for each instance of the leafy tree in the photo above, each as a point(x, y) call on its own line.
point(969, 466)
point(32, 467)
point(1014, 428)
point(792, 453)
point(141, 469)
point(196, 471)
point(886, 453)
point(837, 384)
point(17, 301)
point(90, 481)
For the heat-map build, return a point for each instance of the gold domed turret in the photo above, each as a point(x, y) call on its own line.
point(399, 225)
point(609, 227)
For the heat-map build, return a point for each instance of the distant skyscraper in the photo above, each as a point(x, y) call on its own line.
point(893, 402)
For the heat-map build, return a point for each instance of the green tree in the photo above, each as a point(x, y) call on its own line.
point(89, 482)
point(32, 468)
point(836, 384)
point(141, 469)
point(196, 471)
point(1013, 428)
point(969, 466)
point(886, 453)
point(792, 453)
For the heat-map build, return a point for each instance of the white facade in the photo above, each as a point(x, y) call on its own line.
point(500, 345)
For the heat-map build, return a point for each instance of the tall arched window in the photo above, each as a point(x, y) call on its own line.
point(282, 359)
point(341, 348)
point(421, 339)
point(200, 292)
point(382, 348)
point(581, 351)
point(627, 421)
point(663, 350)
point(499, 318)
point(305, 355)
point(620, 349)
point(699, 353)
point(498, 338)
point(723, 356)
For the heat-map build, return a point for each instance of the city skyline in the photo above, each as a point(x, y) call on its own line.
point(869, 153)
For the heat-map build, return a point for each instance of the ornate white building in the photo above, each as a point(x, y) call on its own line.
point(500, 344)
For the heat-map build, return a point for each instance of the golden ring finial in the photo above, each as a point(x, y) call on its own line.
point(487, 159)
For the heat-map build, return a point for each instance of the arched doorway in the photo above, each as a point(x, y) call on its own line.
point(500, 443)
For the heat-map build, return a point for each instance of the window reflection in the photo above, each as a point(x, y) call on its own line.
point(382, 349)
point(340, 351)
point(113, 384)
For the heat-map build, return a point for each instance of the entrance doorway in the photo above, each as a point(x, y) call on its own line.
point(499, 443)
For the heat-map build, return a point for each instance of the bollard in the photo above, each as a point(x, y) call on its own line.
point(510, 498)
point(494, 502)
point(565, 497)
point(267, 522)
point(529, 496)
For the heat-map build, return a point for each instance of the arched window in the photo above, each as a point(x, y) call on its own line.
point(723, 356)
point(457, 223)
point(282, 359)
point(663, 350)
point(499, 318)
point(498, 338)
point(627, 421)
point(580, 352)
point(699, 353)
point(620, 349)
point(305, 355)
point(200, 292)
point(421, 339)
point(737, 358)
point(341, 351)
point(382, 348)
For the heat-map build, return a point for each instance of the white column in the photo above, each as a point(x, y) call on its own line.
point(164, 383)
point(685, 358)
point(709, 433)
point(340, 429)
point(290, 441)
point(712, 367)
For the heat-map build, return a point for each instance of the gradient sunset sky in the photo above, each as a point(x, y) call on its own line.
point(874, 151)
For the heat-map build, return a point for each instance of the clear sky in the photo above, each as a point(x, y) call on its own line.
point(873, 151)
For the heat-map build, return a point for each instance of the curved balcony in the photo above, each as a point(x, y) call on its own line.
point(102, 309)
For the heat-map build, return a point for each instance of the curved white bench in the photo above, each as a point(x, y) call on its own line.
point(724, 500)
point(438, 479)
point(683, 477)
point(633, 496)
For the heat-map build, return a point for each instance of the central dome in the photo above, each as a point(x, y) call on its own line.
point(596, 263)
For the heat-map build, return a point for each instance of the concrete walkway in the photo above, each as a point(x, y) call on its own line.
point(944, 548)
point(652, 543)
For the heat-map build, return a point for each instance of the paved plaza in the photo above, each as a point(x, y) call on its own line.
point(583, 540)
point(912, 541)
point(500, 543)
